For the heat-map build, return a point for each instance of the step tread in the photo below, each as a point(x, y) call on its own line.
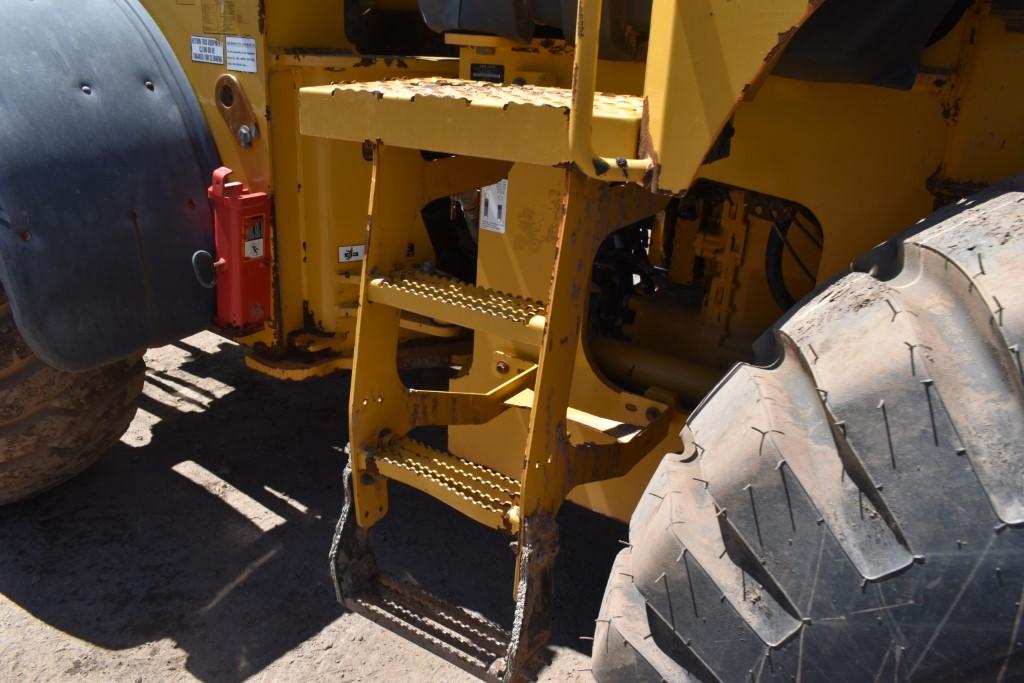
point(452, 301)
point(482, 493)
point(485, 93)
point(460, 116)
point(465, 639)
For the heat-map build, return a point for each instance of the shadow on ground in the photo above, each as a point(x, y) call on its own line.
point(132, 551)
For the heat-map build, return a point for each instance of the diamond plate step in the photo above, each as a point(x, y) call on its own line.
point(482, 494)
point(467, 640)
point(452, 301)
point(462, 116)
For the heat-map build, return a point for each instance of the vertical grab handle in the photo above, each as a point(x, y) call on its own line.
point(581, 116)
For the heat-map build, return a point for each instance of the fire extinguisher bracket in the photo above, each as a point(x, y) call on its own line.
point(241, 224)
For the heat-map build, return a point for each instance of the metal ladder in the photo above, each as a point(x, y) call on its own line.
point(608, 145)
point(383, 411)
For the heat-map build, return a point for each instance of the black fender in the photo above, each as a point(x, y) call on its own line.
point(105, 158)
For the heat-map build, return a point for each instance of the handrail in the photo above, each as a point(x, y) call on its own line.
point(581, 116)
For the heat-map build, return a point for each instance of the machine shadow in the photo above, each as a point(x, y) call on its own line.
point(135, 551)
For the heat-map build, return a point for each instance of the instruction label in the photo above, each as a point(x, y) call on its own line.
point(494, 206)
point(493, 73)
point(241, 54)
point(355, 252)
point(254, 231)
point(207, 50)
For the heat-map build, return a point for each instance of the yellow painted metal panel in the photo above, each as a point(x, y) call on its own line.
point(515, 123)
point(703, 57)
point(307, 24)
point(986, 102)
point(321, 193)
point(857, 156)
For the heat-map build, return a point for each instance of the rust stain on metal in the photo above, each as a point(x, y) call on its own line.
point(951, 110)
point(645, 148)
point(948, 190)
point(783, 40)
point(556, 47)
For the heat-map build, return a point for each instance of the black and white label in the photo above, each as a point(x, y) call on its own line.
point(253, 246)
point(207, 50)
point(494, 206)
point(241, 54)
point(494, 73)
point(355, 252)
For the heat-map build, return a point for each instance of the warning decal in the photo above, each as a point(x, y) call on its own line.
point(253, 247)
point(494, 206)
point(351, 253)
point(241, 54)
point(207, 50)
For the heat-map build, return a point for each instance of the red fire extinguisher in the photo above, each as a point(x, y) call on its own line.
point(241, 225)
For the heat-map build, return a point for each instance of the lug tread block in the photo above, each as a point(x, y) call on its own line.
point(995, 246)
point(54, 424)
point(706, 598)
point(973, 305)
point(897, 425)
point(787, 494)
point(906, 430)
point(777, 469)
point(912, 378)
point(624, 635)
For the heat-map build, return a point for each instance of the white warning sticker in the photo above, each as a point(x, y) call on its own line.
point(494, 206)
point(355, 252)
point(207, 50)
point(254, 233)
point(241, 54)
point(254, 249)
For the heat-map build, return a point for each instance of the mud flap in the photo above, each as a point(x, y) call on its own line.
point(104, 162)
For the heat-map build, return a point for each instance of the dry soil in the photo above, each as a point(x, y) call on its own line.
point(197, 549)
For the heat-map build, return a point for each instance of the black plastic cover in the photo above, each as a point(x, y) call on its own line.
point(511, 19)
point(518, 19)
point(105, 158)
point(875, 42)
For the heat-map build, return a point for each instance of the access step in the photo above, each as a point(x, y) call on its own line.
point(482, 494)
point(524, 123)
point(467, 640)
point(449, 300)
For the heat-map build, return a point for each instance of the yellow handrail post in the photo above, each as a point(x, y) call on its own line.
point(581, 116)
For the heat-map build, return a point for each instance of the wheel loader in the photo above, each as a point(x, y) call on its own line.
point(744, 274)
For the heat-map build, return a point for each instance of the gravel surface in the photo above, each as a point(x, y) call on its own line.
point(197, 549)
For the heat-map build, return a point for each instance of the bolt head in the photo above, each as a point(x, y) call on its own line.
point(245, 136)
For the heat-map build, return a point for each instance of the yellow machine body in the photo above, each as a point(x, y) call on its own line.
point(541, 409)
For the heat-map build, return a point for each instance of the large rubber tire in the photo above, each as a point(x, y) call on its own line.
point(852, 512)
point(54, 424)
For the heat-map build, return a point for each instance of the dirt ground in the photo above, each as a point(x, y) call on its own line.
point(197, 549)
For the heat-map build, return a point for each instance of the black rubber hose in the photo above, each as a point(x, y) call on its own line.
point(773, 255)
